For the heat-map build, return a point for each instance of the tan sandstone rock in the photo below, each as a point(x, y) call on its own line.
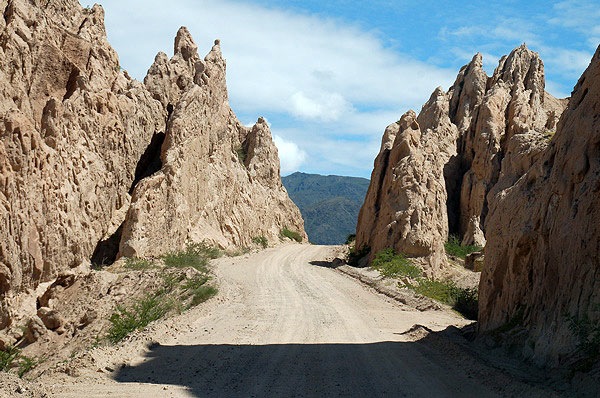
point(542, 256)
point(481, 136)
point(219, 180)
point(79, 137)
point(72, 130)
point(405, 206)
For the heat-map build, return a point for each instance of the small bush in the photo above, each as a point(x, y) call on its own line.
point(195, 256)
point(350, 239)
point(454, 248)
point(463, 300)
point(261, 240)
point(8, 358)
point(198, 291)
point(392, 265)
point(25, 365)
point(291, 235)
point(12, 357)
point(442, 291)
point(467, 302)
point(138, 264)
point(355, 255)
point(138, 316)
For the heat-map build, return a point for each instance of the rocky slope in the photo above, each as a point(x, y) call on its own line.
point(542, 254)
point(93, 162)
point(329, 204)
point(434, 171)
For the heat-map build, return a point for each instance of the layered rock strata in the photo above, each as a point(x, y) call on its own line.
point(434, 172)
point(92, 161)
point(542, 272)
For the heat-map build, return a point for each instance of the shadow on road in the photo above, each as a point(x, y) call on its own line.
point(276, 370)
point(284, 370)
point(327, 264)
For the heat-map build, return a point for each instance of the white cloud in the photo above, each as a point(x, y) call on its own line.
point(323, 106)
point(290, 155)
point(582, 15)
point(298, 68)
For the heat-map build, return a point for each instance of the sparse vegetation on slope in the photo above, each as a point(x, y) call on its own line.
point(393, 265)
point(177, 291)
point(261, 240)
point(12, 358)
point(196, 255)
point(454, 248)
point(287, 233)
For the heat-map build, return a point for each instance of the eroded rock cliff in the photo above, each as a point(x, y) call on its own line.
point(219, 180)
point(89, 156)
point(434, 171)
point(542, 274)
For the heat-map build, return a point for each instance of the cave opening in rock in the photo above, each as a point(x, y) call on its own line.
point(107, 249)
point(150, 161)
point(453, 174)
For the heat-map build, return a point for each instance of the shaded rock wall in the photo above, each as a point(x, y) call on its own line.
point(480, 136)
point(543, 250)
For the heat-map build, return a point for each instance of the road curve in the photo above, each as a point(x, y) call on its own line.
point(283, 326)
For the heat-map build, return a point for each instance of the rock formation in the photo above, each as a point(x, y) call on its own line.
point(219, 180)
point(88, 154)
point(405, 206)
point(542, 273)
point(434, 172)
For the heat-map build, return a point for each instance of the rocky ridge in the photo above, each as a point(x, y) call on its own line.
point(434, 171)
point(93, 162)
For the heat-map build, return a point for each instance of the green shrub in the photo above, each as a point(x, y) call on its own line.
point(291, 235)
point(588, 335)
point(12, 357)
point(261, 240)
point(355, 255)
point(8, 358)
point(463, 300)
point(195, 256)
point(137, 264)
point(454, 248)
point(26, 364)
point(126, 320)
point(442, 291)
point(350, 239)
point(197, 290)
point(392, 265)
point(467, 302)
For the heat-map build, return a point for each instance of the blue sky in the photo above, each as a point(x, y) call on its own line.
point(330, 75)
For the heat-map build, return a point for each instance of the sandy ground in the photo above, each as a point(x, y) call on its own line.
point(284, 325)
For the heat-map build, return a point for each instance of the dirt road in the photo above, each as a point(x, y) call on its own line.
point(283, 327)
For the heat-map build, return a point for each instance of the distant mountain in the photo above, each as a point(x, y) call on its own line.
point(329, 204)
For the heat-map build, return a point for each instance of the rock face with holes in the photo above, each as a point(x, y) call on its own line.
point(219, 180)
point(435, 172)
point(73, 127)
point(542, 273)
point(79, 139)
